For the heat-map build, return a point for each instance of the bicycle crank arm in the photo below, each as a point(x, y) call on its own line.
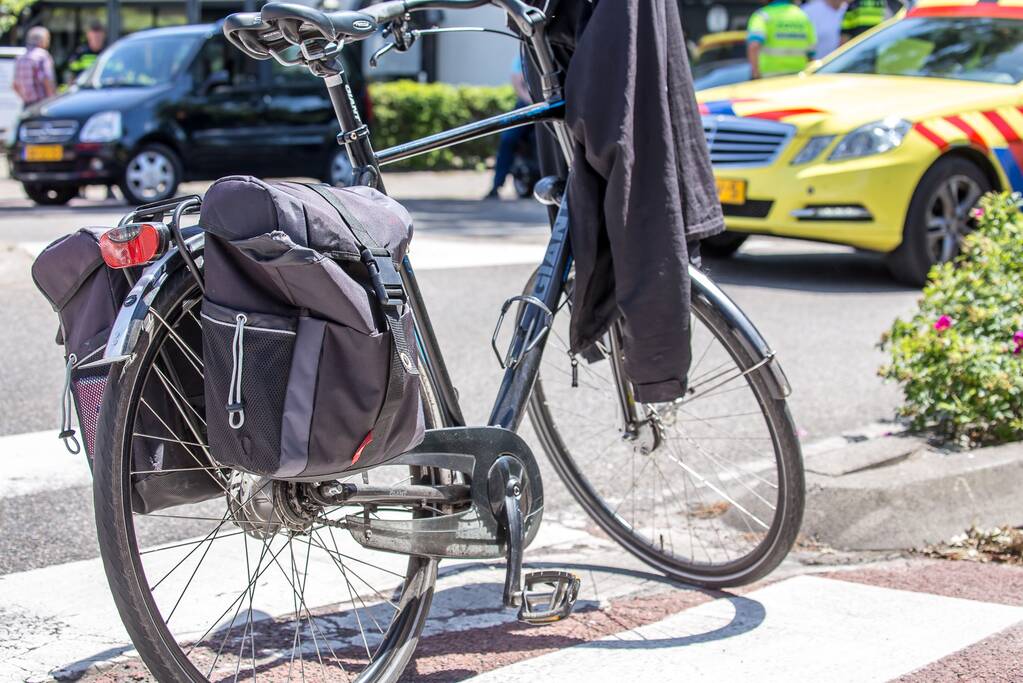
point(543, 597)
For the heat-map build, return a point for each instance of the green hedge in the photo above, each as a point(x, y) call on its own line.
point(407, 110)
point(959, 358)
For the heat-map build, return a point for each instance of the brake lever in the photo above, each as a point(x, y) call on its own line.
point(374, 60)
point(404, 38)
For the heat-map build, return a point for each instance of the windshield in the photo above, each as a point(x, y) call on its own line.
point(962, 48)
point(139, 63)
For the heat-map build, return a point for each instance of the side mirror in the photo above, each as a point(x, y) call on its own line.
point(217, 79)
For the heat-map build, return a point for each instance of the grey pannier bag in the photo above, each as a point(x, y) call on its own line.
point(308, 346)
point(87, 295)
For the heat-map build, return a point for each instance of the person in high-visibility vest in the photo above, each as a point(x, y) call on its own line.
point(862, 15)
point(780, 39)
point(84, 56)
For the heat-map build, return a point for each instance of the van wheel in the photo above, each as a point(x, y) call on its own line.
point(50, 195)
point(151, 175)
point(723, 245)
point(938, 219)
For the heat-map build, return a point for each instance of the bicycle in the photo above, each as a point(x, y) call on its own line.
point(223, 588)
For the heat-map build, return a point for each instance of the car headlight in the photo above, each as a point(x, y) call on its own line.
point(812, 149)
point(873, 138)
point(102, 127)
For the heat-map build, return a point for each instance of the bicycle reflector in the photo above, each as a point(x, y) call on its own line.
point(134, 244)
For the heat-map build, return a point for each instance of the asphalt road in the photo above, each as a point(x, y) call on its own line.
point(821, 308)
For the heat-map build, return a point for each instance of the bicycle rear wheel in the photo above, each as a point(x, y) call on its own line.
point(252, 583)
point(708, 489)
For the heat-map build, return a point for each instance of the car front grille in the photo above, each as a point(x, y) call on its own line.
point(735, 141)
point(47, 132)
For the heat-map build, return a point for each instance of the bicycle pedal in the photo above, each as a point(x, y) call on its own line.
point(548, 596)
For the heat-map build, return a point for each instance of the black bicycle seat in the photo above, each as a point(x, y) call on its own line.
point(297, 22)
point(278, 26)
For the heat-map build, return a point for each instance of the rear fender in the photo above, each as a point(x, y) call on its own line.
point(135, 309)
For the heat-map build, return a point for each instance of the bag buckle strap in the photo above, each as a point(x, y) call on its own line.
point(384, 276)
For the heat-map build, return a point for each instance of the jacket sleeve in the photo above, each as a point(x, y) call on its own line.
point(641, 186)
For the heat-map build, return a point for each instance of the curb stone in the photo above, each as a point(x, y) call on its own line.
point(897, 492)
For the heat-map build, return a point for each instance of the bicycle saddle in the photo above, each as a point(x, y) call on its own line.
point(280, 25)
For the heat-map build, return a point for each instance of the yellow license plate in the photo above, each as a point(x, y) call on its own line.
point(731, 191)
point(44, 152)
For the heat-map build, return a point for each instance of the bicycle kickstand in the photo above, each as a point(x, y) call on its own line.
point(542, 597)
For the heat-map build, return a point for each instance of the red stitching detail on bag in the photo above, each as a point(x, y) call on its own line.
point(362, 447)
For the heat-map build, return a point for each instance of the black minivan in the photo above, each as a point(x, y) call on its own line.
point(173, 104)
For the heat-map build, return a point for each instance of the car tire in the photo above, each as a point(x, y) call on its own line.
point(340, 172)
point(152, 174)
point(723, 245)
point(51, 195)
point(939, 217)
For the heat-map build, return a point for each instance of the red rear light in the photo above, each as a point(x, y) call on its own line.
point(134, 244)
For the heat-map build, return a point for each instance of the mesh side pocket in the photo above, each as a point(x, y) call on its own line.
point(247, 360)
point(88, 387)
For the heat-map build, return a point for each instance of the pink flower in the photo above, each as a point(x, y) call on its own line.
point(1017, 339)
point(942, 323)
point(978, 212)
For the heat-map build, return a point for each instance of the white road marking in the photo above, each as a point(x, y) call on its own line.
point(801, 629)
point(38, 461)
point(60, 620)
point(435, 253)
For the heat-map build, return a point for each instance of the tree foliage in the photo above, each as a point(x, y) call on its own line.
point(10, 10)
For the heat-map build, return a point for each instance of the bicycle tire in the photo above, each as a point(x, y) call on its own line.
point(156, 645)
point(769, 553)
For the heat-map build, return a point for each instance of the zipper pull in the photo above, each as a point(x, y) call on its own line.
point(67, 432)
point(575, 371)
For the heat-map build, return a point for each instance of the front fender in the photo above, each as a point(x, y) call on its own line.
point(125, 332)
point(744, 329)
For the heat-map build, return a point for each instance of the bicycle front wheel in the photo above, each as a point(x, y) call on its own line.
point(707, 489)
point(254, 583)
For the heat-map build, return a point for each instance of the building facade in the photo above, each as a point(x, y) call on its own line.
point(471, 58)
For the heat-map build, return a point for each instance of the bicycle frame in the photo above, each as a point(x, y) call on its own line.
point(527, 343)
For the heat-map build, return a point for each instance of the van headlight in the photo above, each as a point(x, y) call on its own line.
point(102, 127)
point(873, 138)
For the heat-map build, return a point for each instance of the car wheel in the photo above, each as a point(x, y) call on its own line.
point(49, 195)
point(151, 175)
point(938, 219)
point(723, 245)
point(340, 172)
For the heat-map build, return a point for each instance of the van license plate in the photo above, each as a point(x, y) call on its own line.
point(43, 152)
point(731, 191)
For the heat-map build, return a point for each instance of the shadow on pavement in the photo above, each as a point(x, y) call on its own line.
point(807, 272)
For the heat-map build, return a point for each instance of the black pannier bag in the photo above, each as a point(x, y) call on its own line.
point(87, 295)
point(308, 345)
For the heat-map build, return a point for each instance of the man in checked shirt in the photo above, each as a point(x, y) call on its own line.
point(34, 75)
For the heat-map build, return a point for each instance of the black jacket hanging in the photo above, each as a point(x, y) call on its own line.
point(641, 185)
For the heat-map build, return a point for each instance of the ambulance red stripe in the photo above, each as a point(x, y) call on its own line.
point(778, 114)
point(931, 135)
point(1009, 133)
point(971, 133)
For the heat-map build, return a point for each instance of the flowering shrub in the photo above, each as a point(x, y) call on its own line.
point(959, 359)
